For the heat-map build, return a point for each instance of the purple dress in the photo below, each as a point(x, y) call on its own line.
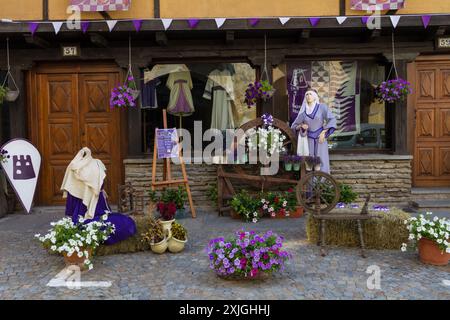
point(125, 226)
point(320, 119)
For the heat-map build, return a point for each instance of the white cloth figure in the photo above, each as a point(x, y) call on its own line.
point(220, 88)
point(84, 180)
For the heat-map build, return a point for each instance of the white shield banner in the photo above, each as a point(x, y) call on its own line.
point(22, 169)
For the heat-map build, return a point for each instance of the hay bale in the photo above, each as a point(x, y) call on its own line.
point(132, 244)
point(386, 232)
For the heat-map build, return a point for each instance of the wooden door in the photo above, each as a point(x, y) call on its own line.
point(432, 124)
point(68, 111)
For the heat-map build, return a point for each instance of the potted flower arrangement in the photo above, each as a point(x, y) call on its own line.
point(156, 237)
point(124, 95)
point(245, 206)
point(247, 255)
point(432, 236)
point(393, 90)
point(296, 162)
point(266, 137)
point(258, 90)
point(77, 241)
point(170, 195)
point(178, 239)
point(287, 159)
point(167, 213)
point(280, 204)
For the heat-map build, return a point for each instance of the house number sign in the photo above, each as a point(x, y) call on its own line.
point(70, 51)
point(443, 43)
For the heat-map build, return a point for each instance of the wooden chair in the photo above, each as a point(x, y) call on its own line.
point(131, 201)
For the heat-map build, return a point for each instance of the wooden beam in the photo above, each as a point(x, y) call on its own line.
point(391, 12)
point(435, 32)
point(229, 37)
point(304, 35)
point(371, 35)
point(105, 15)
point(157, 8)
point(44, 9)
point(161, 38)
point(342, 7)
point(37, 41)
point(98, 40)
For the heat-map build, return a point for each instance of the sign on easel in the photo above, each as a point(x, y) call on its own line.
point(166, 147)
point(22, 169)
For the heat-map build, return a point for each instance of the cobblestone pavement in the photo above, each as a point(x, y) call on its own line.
point(25, 268)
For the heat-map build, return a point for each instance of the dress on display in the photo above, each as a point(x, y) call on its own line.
point(83, 188)
point(321, 118)
point(149, 96)
point(220, 89)
point(180, 85)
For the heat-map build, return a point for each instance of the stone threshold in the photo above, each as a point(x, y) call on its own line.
point(430, 190)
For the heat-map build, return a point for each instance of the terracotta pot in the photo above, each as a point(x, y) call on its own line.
point(74, 259)
point(175, 245)
point(430, 253)
point(159, 247)
point(235, 215)
point(297, 213)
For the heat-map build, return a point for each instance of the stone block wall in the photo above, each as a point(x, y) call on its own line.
point(387, 178)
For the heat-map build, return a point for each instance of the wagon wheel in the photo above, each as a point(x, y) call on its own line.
point(318, 192)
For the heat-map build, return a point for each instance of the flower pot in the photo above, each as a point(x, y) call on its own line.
point(296, 166)
point(159, 247)
point(12, 95)
point(297, 213)
point(74, 259)
point(288, 166)
point(430, 253)
point(166, 225)
point(176, 245)
point(135, 94)
point(239, 277)
point(234, 215)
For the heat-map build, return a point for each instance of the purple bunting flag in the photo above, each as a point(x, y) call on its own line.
point(84, 26)
point(193, 22)
point(254, 22)
point(314, 21)
point(33, 26)
point(364, 20)
point(137, 24)
point(426, 21)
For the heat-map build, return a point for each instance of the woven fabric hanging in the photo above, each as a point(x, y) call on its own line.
point(372, 5)
point(101, 5)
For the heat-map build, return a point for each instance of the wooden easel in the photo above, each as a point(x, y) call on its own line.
point(167, 173)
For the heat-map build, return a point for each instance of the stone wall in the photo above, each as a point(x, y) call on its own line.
point(387, 178)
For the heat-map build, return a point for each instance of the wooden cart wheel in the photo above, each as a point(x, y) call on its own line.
point(318, 192)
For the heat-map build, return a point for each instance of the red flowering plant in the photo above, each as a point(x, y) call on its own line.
point(278, 204)
point(167, 210)
point(247, 254)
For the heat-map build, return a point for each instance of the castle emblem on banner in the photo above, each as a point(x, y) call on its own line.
point(23, 168)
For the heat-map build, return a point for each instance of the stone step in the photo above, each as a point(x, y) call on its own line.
point(431, 205)
point(430, 193)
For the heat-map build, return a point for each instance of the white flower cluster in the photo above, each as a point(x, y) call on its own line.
point(432, 228)
point(270, 139)
point(70, 238)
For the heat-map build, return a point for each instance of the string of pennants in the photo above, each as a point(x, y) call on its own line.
point(314, 21)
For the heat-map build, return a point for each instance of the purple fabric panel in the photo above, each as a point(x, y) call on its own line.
point(182, 107)
point(125, 226)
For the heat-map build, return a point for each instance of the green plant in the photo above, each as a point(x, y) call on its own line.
point(347, 194)
point(282, 202)
point(3, 92)
point(212, 192)
point(168, 195)
point(433, 228)
point(68, 237)
point(155, 233)
point(246, 206)
point(178, 231)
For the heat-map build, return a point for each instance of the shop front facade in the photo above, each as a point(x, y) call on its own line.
point(380, 148)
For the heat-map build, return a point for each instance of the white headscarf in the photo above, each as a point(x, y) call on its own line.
point(305, 103)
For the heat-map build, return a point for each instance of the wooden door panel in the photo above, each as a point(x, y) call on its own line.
point(425, 127)
point(444, 162)
point(425, 162)
point(58, 172)
point(100, 125)
point(444, 122)
point(426, 85)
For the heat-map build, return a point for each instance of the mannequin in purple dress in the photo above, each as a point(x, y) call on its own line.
point(316, 121)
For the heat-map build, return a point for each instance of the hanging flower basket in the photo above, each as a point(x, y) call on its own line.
point(393, 90)
point(258, 90)
point(3, 92)
point(125, 95)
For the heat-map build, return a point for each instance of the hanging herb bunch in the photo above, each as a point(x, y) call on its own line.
point(258, 90)
point(393, 90)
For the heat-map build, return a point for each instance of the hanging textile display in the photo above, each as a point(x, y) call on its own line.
point(101, 5)
point(338, 85)
point(220, 89)
point(372, 5)
point(180, 86)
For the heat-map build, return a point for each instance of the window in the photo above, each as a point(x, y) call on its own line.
point(347, 87)
point(212, 93)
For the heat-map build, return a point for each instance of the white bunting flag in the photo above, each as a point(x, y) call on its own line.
point(57, 26)
point(166, 23)
point(111, 24)
point(220, 22)
point(284, 20)
point(7, 20)
point(341, 20)
point(395, 20)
